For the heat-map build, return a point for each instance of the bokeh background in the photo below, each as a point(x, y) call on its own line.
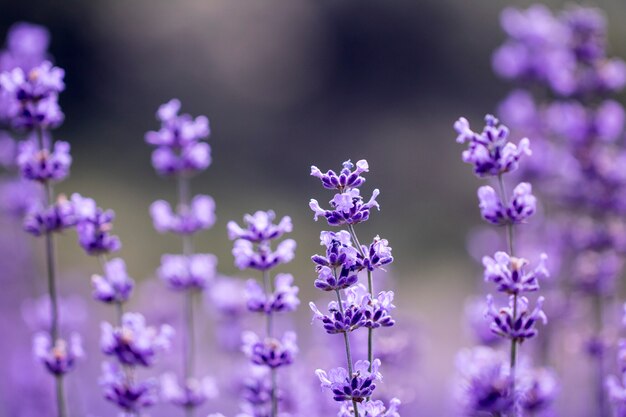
point(287, 84)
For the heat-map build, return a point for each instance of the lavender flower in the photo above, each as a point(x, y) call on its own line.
point(61, 357)
point(521, 206)
point(115, 286)
point(179, 146)
point(490, 151)
point(260, 227)
point(355, 387)
point(130, 395)
point(283, 299)
point(56, 218)
point(518, 325)
point(200, 215)
point(539, 388)
point(32, 98)
point(182, 272)
point(94, 226)
point(133, 343)
point(27, 46)
point(485, 384)
point(270, 352)
point(262, 257)
point(371, 409)
point(509, 273)
point(340, 320)
point(194, 393)
point(378, 254)
point(347, 177)
point(347, 208)
point(42, 165)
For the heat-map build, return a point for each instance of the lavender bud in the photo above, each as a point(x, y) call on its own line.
point(284, 298)
point(193, 394)
point(516, 327)
point(130, 395)
point(270, 352)
point(115, 286)
point(509, 274)
point(60, 358)
point(182, 272)
point(356, 387)
point(42, 165)
point(199, 216)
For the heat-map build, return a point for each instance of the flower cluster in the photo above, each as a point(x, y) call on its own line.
point(490, 384)
point(179, 149)
point(253, 249)
point(357, 306)
point(181, 152)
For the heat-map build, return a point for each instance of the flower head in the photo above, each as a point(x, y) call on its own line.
point(182, 272)
point(348, 177)
point(42, 164)
point(130, 395)
point(94, 227)
point(60, 357)
point(55, 218)
point(260, 227)
point(270, 352)
point(134, 343)
point(510, 275)
point(200, 215)
point(490, 151)
point(347, 207)
point(520, 328)
point(521, 206)
point(193, 393)
point(356, 387)
point(283, 299)
point(115, 286)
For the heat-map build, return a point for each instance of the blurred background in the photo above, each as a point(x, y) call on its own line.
point(288, 84)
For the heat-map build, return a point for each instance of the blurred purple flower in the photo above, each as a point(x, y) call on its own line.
point(283, 299)
point(270, 352)
point(200, 215)
point(60, 357)
point(115, 286)
point(182, 272)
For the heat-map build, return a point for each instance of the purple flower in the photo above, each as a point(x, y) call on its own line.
point(182, 272)
point(489, 151)
point(179, 146)
point(509, 273)
point(42, 165)
point(337, 321)
point(485, 384)
point(347, 208)
point(60, 358)
point(27, 46)
point(329, 280)
point(371, 409)
point(347, 177)
point(283, 299)
point(339, 250)
point(262, 257)
point(200, 215)
point(193, 394)
point(260, 227)
point(523, 327)
point(134, 343)
point(115, 286)
point(130, 395)
point(257, 387)
point(270, 352)
point(94, 227)
point(480, 328)
point(521, 206)
point(538, 389)
point(32, 97)
point(41, 220)
point(356, 387)
point(378, 254)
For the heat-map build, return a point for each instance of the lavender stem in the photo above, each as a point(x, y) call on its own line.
point(189, 352)
point(370, 288)
point(267, 285)
point(346, 340)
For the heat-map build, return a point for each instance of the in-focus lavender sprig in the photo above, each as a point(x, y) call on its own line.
point(356, 305)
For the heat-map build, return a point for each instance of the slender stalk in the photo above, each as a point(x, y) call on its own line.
point(269, 289)
point(510, 240)
point(599, 356)
point(346, 340)
point(370, 288)
point(189, 333)
point(54, 304)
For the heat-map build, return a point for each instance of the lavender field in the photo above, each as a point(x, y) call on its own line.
point(297, 209)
